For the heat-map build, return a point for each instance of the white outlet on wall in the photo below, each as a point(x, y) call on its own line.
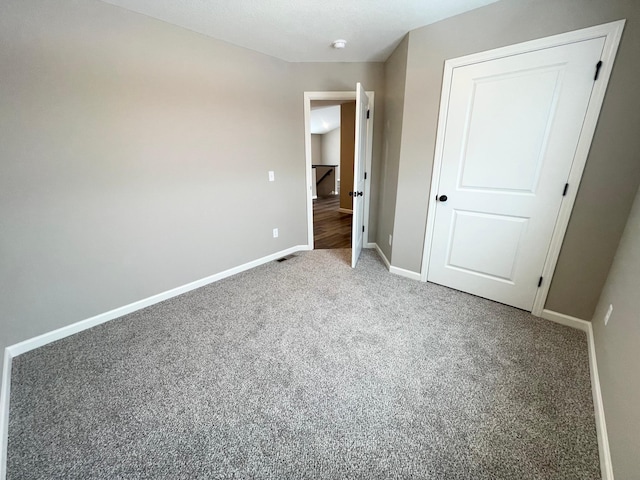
point(275, 233)
point(390, 239)
point(608, 315)
point(272, 176)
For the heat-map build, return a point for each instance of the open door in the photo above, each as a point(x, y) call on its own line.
point(359, 162)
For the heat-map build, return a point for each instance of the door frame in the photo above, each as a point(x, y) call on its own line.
point(612, 32)
point(337, 96)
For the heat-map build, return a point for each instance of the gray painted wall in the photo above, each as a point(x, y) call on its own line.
point(134, 158)
point(331, 147)
point(395, 70)
point(618, 350)
point(316, 148)
point(331, 152)
point(612, 172)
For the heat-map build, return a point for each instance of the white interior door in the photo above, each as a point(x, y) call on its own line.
point(511, 133)
point(359, 161)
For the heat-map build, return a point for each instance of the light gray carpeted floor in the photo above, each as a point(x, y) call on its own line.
point(307, 369)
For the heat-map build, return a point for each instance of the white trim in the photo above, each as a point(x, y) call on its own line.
point(345, 210)
point(41, 340)
point(609, 30)
point(606, 466)
point(612, 33)
point(4, 412)
point(566, 320)
point(382, 256)
point(395, 270)
point(370, 245)
point(68, 330)
point(14, 350)
point(405, 273)
point(367, 167)
point(338, 96)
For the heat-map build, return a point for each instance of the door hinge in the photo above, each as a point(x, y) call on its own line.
point(369, 111)
point(362, 228)
point(540, 282)
point(365, 175)
point(598, 66)
point(566, 187)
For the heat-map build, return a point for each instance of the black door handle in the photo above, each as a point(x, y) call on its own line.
point(359, 194)
point(442, 198)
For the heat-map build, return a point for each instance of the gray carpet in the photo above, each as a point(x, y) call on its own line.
point(307, 369)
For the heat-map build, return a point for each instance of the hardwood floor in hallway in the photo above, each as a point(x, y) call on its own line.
point(331, 228)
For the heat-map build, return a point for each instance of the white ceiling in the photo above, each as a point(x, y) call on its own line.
point(303, 30)
point(325, 119)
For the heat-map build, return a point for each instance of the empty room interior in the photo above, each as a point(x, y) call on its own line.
point(173, 306)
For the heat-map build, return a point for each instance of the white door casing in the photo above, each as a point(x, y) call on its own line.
point(515, 126)
point(359, 162)
point(337, 96)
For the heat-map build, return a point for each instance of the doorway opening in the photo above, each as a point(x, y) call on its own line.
point(338, 142)
point(332, 148)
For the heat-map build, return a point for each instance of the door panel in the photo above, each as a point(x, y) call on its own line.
point(483, 256)
point(359, 162)
point(518, 162)
point(511, 132)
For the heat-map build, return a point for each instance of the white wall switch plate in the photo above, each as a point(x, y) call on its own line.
point(390, 239)
point(272, 176)
point(275, 233)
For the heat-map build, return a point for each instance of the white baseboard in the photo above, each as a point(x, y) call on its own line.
point(63, 332)
point(566, 320)
point(60, 333)
point(606, 466)
point(4, 413)
point(382, 256)
point(345, 210)
point(27, 345)
point(405, 273)
point(370, 245)
point(395, 270)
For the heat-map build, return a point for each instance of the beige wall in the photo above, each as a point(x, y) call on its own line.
point(618, 350)
point(331, 152)
point(612, 172)
point(347, 150)
point(331, 147)
point(316, 148)
point(122, 141)
point(395, 71)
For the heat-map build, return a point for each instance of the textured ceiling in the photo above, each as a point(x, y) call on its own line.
point(303, 30)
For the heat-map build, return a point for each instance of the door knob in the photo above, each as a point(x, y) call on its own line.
point(350, 194)
point(357, 194)
point(442, 198)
